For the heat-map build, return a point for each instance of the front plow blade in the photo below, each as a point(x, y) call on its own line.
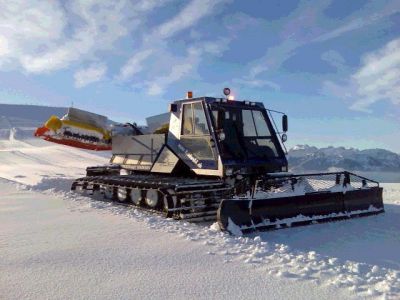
point(249, 214)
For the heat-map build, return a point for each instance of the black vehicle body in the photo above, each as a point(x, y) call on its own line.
point(214, 160)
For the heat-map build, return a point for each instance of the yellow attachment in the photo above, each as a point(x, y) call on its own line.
point(105, 133)
point(53, 123)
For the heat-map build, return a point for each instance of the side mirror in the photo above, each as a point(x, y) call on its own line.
point(285, 125)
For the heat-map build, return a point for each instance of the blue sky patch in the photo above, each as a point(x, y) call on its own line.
point(333, 66)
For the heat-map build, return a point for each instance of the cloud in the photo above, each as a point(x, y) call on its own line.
point(134, 64)
point(187, 66)
point(28, 28)
point(274, 57)
point(368, 18)
point(216, 47)
point(296, 30)
point(352, 25)
point(158, 86)
point(164, 66)
point(93, 73)
point(258, 83)
point(4, 47)
point(143, 6)
point(187, 17)
point(334, 58)
point(379, 77)
point(45, 36)
point(307, 25)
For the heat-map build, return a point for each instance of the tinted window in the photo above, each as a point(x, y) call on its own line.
point(216, 120)
point(187, 126)
point(199, 147)
point(248, 124)
point(269, 146)
point(200, 121)
point(261, 124)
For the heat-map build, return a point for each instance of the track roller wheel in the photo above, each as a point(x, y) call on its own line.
point(167, 203)
point(153, 198)
point(79, 189)
point(108, 192)
point(136, 197)
point(122, 194)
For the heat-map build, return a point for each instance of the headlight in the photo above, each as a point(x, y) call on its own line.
point(221, 136)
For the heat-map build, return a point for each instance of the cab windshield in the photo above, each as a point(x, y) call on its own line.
point(246, 133)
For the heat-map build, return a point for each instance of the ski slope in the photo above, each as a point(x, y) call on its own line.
point(57, 244)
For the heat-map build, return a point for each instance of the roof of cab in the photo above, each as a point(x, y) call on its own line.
point(236, 103)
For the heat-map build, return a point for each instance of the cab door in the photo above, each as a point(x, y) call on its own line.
point(196, 139)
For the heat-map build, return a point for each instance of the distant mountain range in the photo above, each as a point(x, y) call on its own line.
point(379, 164)
point(305, 158)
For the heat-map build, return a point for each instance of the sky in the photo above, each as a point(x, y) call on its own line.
point(332, 66)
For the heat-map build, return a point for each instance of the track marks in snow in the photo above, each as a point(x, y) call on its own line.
point(272, 253)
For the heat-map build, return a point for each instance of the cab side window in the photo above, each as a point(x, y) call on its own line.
point(187, 126)
point(195, 135)
point(200, 122)
point(194, 120)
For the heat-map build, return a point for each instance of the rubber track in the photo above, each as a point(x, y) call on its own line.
point(203, 207)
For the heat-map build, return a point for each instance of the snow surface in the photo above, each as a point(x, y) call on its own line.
point(58, 244)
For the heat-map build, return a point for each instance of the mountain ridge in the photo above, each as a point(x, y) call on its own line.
point(306, 158)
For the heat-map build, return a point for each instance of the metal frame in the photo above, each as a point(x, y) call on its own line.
point(219, 171)
point(319, 199)
point(346, 176)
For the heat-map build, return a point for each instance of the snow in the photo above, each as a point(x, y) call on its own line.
point(31, 161)
point(58, 244)
point(233, 228)
point(55, 244)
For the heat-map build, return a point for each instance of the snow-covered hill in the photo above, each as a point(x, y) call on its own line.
point(21, 115)
point(20, 121)
point(378, 163)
